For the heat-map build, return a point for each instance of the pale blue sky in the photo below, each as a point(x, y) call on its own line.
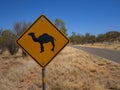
point(80, 16)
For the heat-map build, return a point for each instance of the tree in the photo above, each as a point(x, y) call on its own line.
point(5, 35)
point(100, 38)
point(1, 41)
point(11, 46)
point(111, 35)
point(87, 37)
point(8, 42)
point(20, 27)
point(1, 29)
point(73, 38)
point(82, 39)
point(61, 26)
point(77, 38)
point(92, 39)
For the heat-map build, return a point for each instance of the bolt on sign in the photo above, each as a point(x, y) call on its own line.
point(42, 41)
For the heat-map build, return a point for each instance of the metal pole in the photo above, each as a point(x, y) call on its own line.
point(43, 79)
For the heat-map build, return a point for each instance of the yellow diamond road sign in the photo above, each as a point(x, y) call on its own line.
point(42, 41)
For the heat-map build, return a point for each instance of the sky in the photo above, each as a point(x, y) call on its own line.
point(80, 16)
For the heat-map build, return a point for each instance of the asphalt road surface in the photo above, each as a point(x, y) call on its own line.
point(104, 53)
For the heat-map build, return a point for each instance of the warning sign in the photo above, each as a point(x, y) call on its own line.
point(42, 41)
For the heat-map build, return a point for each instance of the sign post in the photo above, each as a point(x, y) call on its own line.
point(43, 79)
point(42, 41)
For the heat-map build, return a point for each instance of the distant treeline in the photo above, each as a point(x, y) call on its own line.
point(88, 38)
point(8, 37)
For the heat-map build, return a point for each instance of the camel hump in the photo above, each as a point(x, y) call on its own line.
point(45, 35)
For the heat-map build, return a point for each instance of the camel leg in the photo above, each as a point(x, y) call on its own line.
point(42, 48)
point(53, 46)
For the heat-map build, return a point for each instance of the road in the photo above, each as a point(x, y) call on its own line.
point(108, 54)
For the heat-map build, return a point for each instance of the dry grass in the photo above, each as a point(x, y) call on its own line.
point(114, 46)
point(72, 69)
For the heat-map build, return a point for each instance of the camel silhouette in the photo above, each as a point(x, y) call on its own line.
point(44, 38)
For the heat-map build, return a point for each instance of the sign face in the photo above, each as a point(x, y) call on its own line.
point(42, 41)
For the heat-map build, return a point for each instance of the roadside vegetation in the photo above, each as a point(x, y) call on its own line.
point(108, 38)
point(8, 37)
